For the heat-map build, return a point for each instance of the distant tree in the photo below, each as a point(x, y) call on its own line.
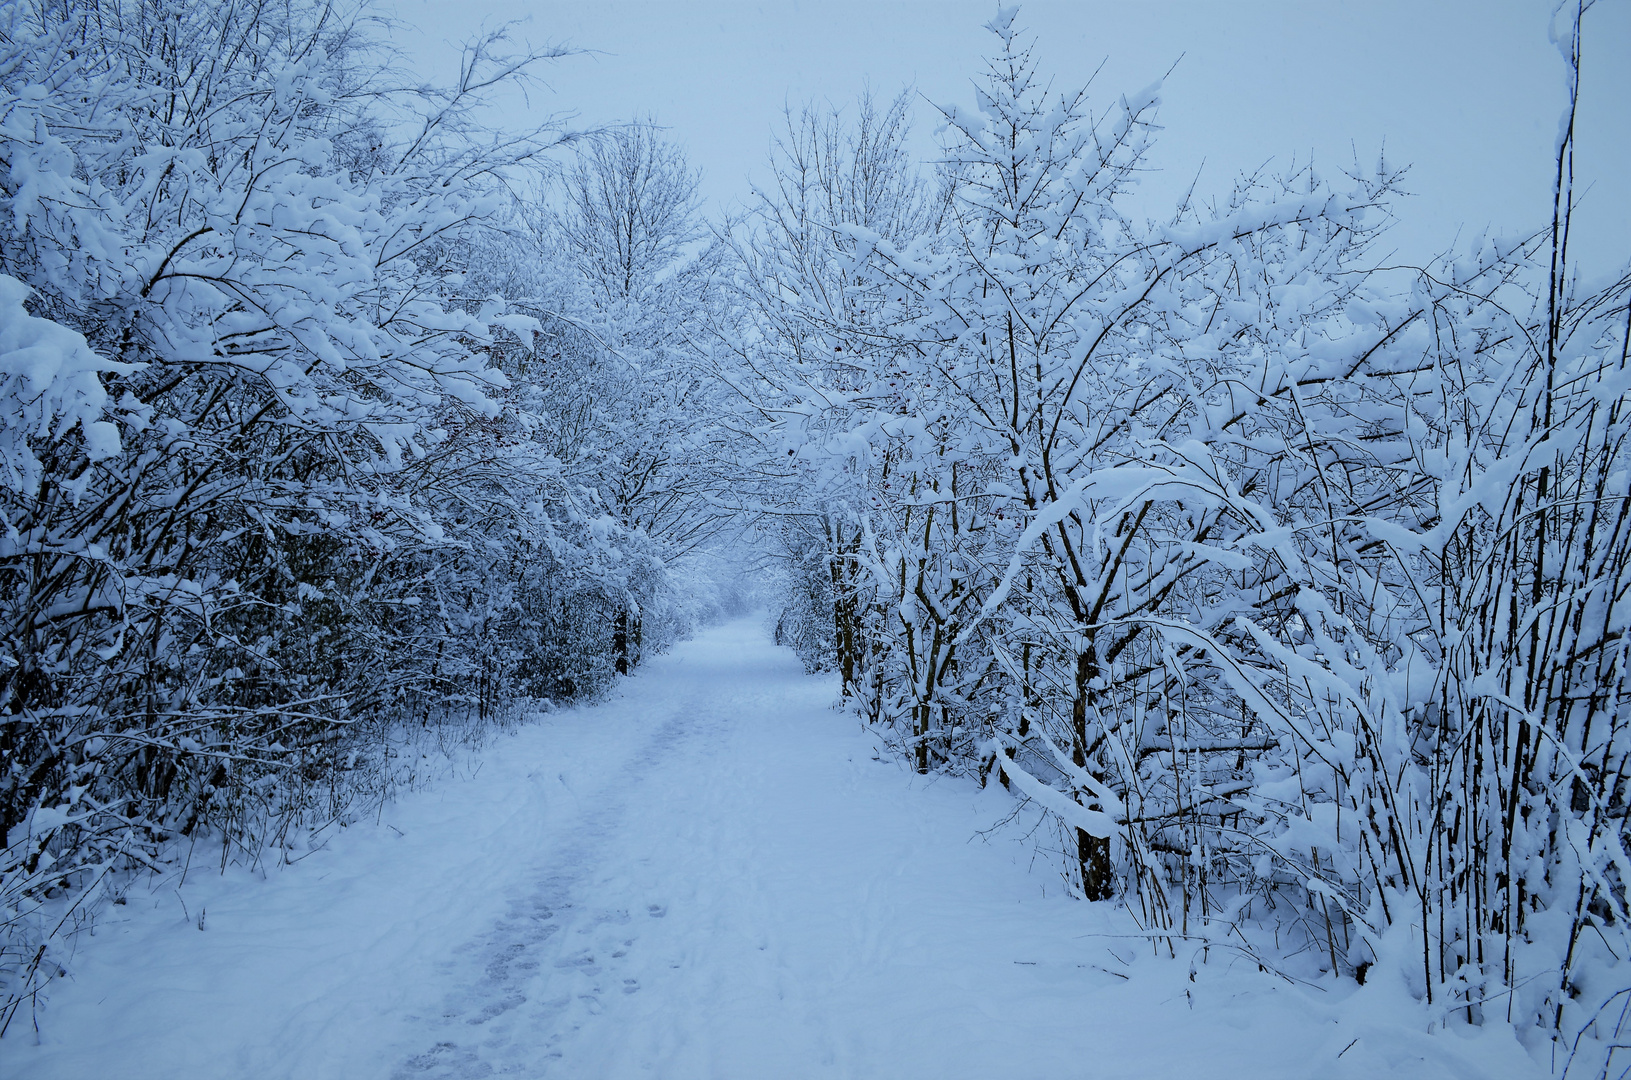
point(627, 215)
point(809, 338)
point(630, 211)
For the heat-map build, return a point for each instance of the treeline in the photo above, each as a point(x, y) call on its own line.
point(1293, 589)
point(319, 423)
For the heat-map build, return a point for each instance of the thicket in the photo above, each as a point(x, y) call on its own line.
point(1293, 589)
point(283, 475)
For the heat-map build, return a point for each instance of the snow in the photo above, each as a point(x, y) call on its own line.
point(49, 383)
point(712, 874)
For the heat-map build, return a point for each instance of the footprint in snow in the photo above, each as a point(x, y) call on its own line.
point(497, 1008)
point(446, 1059)
point(584, 961)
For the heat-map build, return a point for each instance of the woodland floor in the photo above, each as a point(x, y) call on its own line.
point(713, 874)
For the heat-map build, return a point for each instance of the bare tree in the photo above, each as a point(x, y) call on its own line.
point(631, 211)
point(628, 217)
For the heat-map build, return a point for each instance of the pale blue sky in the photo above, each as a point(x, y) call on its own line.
point(1467, 91)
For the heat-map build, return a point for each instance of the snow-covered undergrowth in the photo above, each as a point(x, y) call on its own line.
point(281, 475)
point(1294, 587)
point(712, 874)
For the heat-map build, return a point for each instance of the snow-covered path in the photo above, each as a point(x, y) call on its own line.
point(709, 876)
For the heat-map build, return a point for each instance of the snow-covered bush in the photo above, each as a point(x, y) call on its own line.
point(272, 481)
point(1292, 588)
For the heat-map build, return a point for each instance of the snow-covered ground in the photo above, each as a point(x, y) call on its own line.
point(710, 875)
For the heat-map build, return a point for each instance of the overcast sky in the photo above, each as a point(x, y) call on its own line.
point(1468, 92)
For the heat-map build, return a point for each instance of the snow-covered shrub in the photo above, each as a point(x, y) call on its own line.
point(804, 619)
point(272, 481)
point(1293, 589)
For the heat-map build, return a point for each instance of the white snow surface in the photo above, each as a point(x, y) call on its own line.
point(711, 875)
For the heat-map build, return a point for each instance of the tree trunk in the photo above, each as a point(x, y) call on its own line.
point(620, 640)
point(1092, 852)
point(841, 569)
